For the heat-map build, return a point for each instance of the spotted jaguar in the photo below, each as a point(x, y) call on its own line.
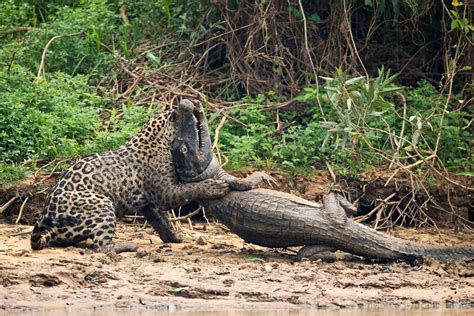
point(96, 190)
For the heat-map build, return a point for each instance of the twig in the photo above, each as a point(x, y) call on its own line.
point(204, 216)
point(306, 45)
point(333, 175)
point(400, 141)
point(216, 138)
point(190, 224)
point(186, 217)
point(216, 133)
point(42, 167)
point(7, 205)
point(424, 160)
point(349, 29)
point(21, 210)
point(383, 202)
point(45, 50)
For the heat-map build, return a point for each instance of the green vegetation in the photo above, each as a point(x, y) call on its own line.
point(72, 83)
point(360, 128)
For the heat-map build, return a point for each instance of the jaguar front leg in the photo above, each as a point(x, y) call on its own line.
point(174, 195)
point(159, 220)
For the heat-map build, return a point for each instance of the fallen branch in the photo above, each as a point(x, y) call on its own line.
point(21, 210)
point(26, 232)
point(186, 217)
point(7, 205)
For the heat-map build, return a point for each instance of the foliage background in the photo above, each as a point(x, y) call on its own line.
point(302, 85)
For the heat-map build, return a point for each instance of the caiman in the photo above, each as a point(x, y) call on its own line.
point(275, 219)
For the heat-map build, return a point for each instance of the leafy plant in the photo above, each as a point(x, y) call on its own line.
point(45, 119)
point(56, 119)
point(69, 54)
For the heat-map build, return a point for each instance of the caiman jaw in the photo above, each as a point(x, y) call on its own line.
point(191, 148)
point(199, 132)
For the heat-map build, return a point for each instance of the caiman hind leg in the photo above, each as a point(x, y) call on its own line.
point(322, 252)
point(337, 208)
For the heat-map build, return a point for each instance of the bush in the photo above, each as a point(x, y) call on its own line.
point(362, 120)
point(45, 119)
point(70, 54)
point(425, 109)
point(56, 119)
point(247, 139)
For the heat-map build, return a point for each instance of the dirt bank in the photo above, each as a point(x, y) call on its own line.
point(212, 268)
point(215, 269)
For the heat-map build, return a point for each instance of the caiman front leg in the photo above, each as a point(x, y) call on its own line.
point(315, 252)
point(245, 184)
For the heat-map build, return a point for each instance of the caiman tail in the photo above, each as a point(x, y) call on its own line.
point(275, 219)
point(373, 244)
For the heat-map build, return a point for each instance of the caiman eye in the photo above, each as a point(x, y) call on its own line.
point(184, 149)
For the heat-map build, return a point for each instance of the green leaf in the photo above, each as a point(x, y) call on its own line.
point(354, 80)
point(467, 173)
point(326, 78)
point(454, 24)
point(153, 58)
point(314, 17)
point(333, 89)
point(391, 89)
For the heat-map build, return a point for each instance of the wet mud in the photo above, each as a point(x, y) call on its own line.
point(214, 269)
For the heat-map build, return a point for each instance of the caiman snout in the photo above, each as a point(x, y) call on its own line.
point(186, 105)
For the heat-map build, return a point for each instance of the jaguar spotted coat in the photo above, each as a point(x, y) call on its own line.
point(98, 189)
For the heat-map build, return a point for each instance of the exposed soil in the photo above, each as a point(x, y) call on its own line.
point(215, 269)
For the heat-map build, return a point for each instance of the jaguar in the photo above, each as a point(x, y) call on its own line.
point(139, 176)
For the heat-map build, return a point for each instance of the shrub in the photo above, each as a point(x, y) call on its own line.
point(70, 54)
point(45, 119)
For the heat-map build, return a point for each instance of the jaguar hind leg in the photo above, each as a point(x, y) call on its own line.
point(102, 229)
point(74, 217)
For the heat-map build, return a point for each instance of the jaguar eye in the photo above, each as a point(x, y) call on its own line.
point(184, 149)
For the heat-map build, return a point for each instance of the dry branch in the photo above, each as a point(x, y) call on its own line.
point(7, 205)
point(45, 50)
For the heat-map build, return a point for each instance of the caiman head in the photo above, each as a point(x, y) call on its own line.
point(191, 148)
